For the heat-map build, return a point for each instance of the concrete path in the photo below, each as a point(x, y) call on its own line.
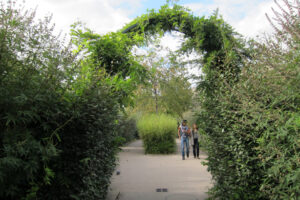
point(145, 177)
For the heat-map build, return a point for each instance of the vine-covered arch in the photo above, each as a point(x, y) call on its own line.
point(205, 34)
point(210, 36)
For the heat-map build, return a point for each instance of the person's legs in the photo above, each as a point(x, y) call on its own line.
point(194, 153)
point(194, 148)
point(182, 147)
point(187, 147)
point(197, 146)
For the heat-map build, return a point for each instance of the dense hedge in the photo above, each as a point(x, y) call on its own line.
point(253, 122)
point(57, 115)
point(87, 148)
point(158, 133)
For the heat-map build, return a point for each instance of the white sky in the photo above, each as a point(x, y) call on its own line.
point(246, 16)
point(102, 16)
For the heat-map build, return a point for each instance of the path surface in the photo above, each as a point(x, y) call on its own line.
point(141, 175)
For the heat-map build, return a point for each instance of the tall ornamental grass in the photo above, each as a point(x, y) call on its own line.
point(158, 133)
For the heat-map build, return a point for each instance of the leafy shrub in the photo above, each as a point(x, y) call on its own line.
point(88, 149)
point(253, 124)
point(32, 68)
point(57, 117)
point(158, 133)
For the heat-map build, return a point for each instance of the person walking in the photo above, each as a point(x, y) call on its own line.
point(195, 140)
point(183, 134)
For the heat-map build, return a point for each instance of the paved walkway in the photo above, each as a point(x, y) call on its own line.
point(145, 177)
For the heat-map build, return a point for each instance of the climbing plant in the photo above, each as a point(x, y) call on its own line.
point(111, 55)
point(211, 37)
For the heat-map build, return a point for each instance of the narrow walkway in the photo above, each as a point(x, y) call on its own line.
point(141, 175)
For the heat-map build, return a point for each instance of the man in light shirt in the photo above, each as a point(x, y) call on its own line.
point(183, 134)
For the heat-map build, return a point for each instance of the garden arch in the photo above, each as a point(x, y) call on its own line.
point(210, 37)
point(205, 35)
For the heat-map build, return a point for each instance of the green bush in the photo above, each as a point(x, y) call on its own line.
point(88, 149)
point(158, 133)
point(32, 110)
point(57, 117)
point(252, 123)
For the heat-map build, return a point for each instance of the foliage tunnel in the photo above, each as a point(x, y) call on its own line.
point(59, 108)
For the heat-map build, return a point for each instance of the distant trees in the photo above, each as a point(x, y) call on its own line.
point(167, 89)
